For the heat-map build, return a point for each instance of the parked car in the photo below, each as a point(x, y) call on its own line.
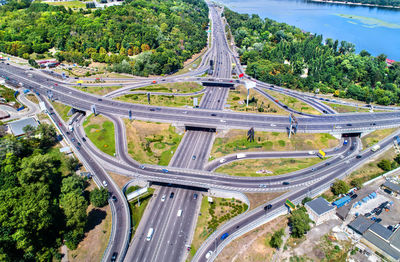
point(105, 183)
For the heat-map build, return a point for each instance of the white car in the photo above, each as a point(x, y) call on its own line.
point(273, 125)
point(222, 160)
point(209, 253)
point(105, 183)
point(222, 121)
point(311, 152)
point(163, 198)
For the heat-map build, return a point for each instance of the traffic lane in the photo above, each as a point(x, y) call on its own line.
point(118, 244)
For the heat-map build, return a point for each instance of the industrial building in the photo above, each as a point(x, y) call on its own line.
point(17, 127)
point(320, 210)
point(391, 188)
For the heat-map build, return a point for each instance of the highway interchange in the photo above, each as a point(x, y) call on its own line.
point(189, 172)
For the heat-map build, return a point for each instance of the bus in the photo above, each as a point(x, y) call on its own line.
point(150, 234)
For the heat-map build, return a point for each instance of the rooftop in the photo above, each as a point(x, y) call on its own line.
point(382, 244)
point(361, 224)
point(380, 230)
point(392, 186)
point(320, 206)
point(17, 127)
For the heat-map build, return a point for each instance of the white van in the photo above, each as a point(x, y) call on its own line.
point(179, 213)
point(150, 234)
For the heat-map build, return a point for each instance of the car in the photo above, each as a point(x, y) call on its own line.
point(285, 183)
point(114, 257)
point(373, 124)
point(194, 157)
point(184, 112)
point(327, 164)
point(224, 236)
point(285, 106)
point(312, 169)
point(79, 144)
point(171, 195)
point(222, 121)
point(59, 123)
point(195, 196)
point(165, 170)
point(311, 152)
point(213, 114)
point(367, 214)
point(78, 148)
point(83, 139)
point(349, 124)
point(338, 127)
point(209, 253)
point(359, 156)
point(152, 109)
point(114, 198)
point(273, 125)
point(267, 207)
point(158, 108)
point(352, 148)
point(324, 111)
point(163, 198)
point(105, 183)
point(73, 140)
point(30, 68)
point(142, 167)
point(67, 133)
point(345, 142)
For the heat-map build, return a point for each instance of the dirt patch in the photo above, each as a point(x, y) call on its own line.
point(32, 98)
point(376, 136)
point(120, 180)
point(96, 238)
point(257, 199)
point(253, 246)
point(294, 103)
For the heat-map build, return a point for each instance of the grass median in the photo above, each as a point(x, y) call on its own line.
point(235, 141)
point(294, 103)
point(376, 136)
point(180, 87)
point(257, 103)
point(98, 90)
point(151, 143)
point(160, 100)
point(137, 210)
point(266, 167)
point(100, 131)
point(345, 108)
point(212, 215)
point(62, 110)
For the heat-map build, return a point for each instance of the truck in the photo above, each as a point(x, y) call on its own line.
point(150, 234)
point(397, 139)
point(321, 154)
point(375, 148)
point(238, 156)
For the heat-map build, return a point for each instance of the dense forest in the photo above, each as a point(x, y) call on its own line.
point(285, 55)
point(372, 2)
point(140, 37)
point(42, 200)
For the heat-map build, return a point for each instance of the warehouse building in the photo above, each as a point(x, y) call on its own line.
point(17, 127)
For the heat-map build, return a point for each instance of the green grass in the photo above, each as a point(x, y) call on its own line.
point(293, 103)
point(156, 100)
point(71, 4)
point(62, 110)
point(101, 132)
point(138, 211)
point(8, 95)
point(345, 108)
point(376, 136)
point(249, 167)
point(180, 87)
point(98, 90)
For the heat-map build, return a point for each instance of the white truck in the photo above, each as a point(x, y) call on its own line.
point(375, 148)
point(240, 155)
point(150, 234)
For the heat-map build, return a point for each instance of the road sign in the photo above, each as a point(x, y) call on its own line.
point(195, 102)
point(93, 108)
point(289, 204)
point(130, 114)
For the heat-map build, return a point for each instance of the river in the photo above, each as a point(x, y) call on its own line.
point(376, 30)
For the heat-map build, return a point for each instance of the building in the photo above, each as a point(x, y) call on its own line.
point(17, 127)
point(320, 210)
point(341, 202)
point(360, 224)
point(384, 241)
point(391, 188)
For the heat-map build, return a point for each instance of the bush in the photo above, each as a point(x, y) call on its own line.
point(385, 165)
point(276, 239)
point(99, 197)
point(339, 187)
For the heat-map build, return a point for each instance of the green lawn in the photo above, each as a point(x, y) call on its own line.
point(294, 103)
point(101, 132)
point(8, 95)
point(71, 4)
point(98, 90)
point(376, 136)
point(175, 101)
point(345, 108)
point(138, 211)
point(180, 87)
point(62, 110)
point(249, 167)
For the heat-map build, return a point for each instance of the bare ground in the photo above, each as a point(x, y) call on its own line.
point(257, 199)
point(120, 180)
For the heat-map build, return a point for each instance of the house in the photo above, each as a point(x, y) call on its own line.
point(16, 127)
point(320, 210)
point(360, 224)
point(390, 62)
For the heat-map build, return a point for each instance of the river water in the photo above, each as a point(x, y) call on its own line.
point(376, 30)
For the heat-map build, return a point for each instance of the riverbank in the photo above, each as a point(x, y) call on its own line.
point(356, 4)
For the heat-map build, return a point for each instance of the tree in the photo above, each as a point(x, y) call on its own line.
point(99, 197)
point(339, 187)
point(397, 159)
point(276, 239)
point(33, 63)
point(385, 165)
point(305, 200)
point(356, 182)
point(299, 222)
point(72, 164)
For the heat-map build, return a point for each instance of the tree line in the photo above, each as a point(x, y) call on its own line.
point(42, 200)
point(139, 37)
point(376, 2)
point(285, 55)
